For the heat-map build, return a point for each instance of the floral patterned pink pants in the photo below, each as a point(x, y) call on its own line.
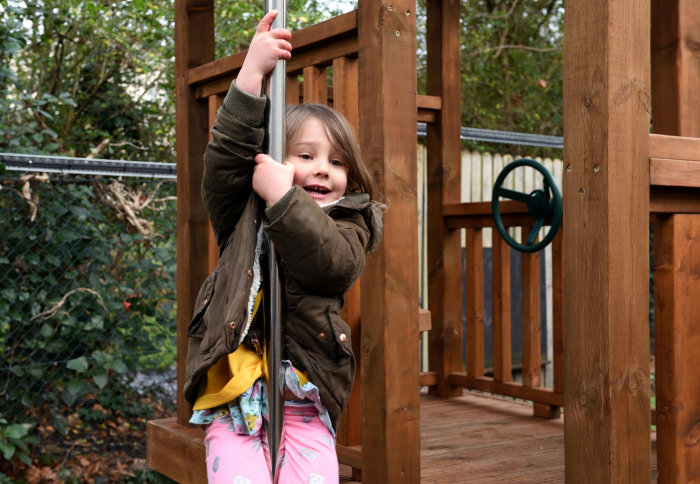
point(306, 454)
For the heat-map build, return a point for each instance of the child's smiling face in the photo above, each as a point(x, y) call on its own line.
point(318, 166)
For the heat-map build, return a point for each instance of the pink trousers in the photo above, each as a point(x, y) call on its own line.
point(306, 453)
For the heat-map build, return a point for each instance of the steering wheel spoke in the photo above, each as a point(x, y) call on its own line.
point(532, 236)
point(513, 195)
point(543, 205)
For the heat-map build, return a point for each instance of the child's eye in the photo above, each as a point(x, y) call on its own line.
point(337, 163)
point(305, 156)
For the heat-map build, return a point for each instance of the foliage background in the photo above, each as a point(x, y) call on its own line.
point(86, 297)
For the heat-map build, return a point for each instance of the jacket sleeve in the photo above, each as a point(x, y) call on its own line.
point(325, 253)
point(237, 136)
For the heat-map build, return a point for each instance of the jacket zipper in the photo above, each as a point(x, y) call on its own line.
point(256, 345)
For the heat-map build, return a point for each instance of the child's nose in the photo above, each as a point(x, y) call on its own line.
point(322, 166)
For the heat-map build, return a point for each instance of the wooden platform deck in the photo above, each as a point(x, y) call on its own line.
point(481, 439)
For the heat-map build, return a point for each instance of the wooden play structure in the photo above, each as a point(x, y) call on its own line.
point(618, 181)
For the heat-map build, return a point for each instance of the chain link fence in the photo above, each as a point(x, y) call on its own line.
point(87, 292)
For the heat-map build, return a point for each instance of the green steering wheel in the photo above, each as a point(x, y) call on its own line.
point(541, 205)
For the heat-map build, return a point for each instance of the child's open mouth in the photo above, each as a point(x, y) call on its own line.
point(316, 191)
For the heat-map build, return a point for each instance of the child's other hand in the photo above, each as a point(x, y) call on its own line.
point(271, 180)
point(266, 48)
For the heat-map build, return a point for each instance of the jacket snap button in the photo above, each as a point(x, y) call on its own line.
point(232, 325)
point(250, 273)
point(204, 303)
point(342, 338)
point(321, 335)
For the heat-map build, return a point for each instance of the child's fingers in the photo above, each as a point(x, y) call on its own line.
point(266, 21)
point(262, 157)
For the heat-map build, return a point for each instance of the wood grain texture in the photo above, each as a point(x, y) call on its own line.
point(677, 338)
point(474, 277)
point(192, 134)
point(444, 251)
point(502, 359)
point(675, 73)
point(606, 217)
point(387, 78)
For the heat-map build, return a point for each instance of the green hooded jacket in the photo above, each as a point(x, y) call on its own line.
point(321, 252)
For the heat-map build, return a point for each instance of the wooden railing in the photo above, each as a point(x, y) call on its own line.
point(474, 218)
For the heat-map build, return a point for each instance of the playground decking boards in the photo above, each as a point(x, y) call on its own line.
point(480, 439)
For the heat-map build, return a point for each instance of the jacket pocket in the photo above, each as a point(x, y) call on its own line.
point(197, 326)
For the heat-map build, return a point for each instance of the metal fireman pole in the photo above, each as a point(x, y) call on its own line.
point(276, 130)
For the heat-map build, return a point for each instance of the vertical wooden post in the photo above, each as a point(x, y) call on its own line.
point(194, 45)
point(474, 275)
point(502, 360)
point(675, 86)
point(606, 268)
point(677, 335)
point(532, 352)
point(675, 73)
point(390, 366)
point(444, 248)
point(345, 100)
point(315, 86)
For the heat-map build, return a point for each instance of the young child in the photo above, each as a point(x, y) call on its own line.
point(318, 210)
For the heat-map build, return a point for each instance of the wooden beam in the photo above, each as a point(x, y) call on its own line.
point(194, 45)
point(502, 359)
point(674, 147)
point(674, 173)
point(176, 451)
point(675, 73)
point(390, 366)
point(677, 338)
point(345, 86)
point(443, 178)
point(474, 276)
point(606, 236)
point(530, 270)
point(310, 38)
point(315, 87)
point(509, 389)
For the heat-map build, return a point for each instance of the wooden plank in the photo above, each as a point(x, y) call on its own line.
point(323, 55)
point(292, 89)
point(496, 442)
point(350, 426)
point(350, 455)
point(345, 86)
point(508, 389)
point(192, 121)
point(429, 102)
point(674, 173)
point(315, 86)
point(176, 451)
point(677, 338)
point(390, 391)
point(322, 34)
point(606, 268)
point(530, 270)
point(502, 361)
point(444, 251)
point(675, 74)
point(674, 200)
point(674, 147)
point(428, 378)
point(558, 311)
point(474, 277)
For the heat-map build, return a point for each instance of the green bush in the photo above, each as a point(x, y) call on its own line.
point(86, 299)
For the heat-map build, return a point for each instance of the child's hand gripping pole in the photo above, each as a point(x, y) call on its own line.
point(276, 130)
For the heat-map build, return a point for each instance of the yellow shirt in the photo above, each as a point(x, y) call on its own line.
point(231, 376)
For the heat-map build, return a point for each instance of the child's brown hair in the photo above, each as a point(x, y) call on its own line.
point(341, 136)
